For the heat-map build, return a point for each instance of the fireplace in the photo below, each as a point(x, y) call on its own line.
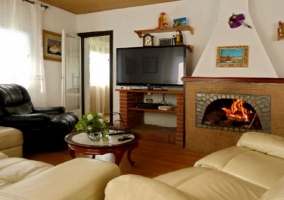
point(263, 96)
point(234, 112)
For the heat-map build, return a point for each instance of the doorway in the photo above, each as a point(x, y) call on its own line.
point(97, 89)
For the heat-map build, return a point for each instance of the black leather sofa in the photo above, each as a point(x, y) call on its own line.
point(43, 129)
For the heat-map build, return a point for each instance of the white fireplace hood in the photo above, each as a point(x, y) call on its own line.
point(259, 64)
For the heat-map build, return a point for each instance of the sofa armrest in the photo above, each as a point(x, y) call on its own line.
point(24, 119)
point(263, 142)
point(2, 155)
point(49, 110)
point(219, 159)
point(129, 187)
point(80, 178)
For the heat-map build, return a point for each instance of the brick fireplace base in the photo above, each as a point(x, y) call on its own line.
point(210, 140)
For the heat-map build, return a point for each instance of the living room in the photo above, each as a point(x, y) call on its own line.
point(203, 16)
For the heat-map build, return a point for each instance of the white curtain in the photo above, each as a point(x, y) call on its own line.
point(99, 74)
point(21, 59)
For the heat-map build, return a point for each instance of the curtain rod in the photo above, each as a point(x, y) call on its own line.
point(34, 2)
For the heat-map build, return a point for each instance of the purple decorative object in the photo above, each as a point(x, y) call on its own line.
point(236, 21)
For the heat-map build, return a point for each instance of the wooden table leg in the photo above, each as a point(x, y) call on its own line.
point(129, 157)
point(118, 157)
point(129, 154)
point(72, 153)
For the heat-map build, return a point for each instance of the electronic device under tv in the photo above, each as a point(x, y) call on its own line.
point(155, 66)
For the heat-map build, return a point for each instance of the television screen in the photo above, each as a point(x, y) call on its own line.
point(150, 66)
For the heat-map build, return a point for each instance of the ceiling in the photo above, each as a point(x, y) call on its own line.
point(89, 6)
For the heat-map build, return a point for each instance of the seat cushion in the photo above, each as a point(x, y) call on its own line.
point(276, 192)
point(204, 183)
point(10, 137)
point(13, 170)
point(246, 164)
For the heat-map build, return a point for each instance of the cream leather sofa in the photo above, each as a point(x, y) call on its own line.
point(11, 141)
point(77, 179)
point(254, 169)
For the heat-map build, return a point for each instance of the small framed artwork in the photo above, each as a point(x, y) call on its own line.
point(166, 41)
point(51, 45)
point(179, 22)
point(232, 56)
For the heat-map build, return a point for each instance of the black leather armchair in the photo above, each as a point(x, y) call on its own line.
point(43, 129)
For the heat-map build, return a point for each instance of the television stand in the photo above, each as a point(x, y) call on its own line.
point(159, 88)
point(150, 88)
point(134, 117)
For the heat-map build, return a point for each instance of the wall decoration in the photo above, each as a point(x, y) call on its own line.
point(166, 42)
point(236, 20)
point(232, 56)
point(280, 31)
point(51, 45)
point(162, 21)
point(178, 38)
point(148, 40)
point(179, 22)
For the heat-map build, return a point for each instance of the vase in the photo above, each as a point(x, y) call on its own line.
point(94, 133)
point(104, 135)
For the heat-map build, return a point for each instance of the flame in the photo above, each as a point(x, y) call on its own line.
point(237, 111)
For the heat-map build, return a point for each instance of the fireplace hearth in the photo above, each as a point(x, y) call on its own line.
point(233, 112)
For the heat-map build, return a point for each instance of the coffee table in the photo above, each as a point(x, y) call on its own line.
point(80, 143)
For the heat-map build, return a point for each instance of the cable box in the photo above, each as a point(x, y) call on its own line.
point(148, 105)
point(166, 107)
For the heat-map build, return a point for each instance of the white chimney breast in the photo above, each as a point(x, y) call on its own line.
point(259, 64)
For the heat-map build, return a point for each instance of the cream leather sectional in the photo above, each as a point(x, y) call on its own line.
point(23, 179)
point(77, 179)
point(251, 170)
point(11, 141)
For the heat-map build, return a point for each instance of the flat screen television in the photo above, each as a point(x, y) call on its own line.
point(154, 66)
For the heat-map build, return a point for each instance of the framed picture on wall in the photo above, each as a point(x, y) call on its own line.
point(232, 56)
point(51, 45)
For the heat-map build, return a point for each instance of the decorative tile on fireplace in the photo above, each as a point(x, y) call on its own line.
point(233, 112)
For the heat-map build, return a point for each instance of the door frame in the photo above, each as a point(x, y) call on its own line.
point(64, 67)
point(98, 34)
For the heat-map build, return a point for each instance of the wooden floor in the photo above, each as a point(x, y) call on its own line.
point(151, 159)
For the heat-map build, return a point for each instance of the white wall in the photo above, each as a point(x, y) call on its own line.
point(259, 64)
point(201, 15)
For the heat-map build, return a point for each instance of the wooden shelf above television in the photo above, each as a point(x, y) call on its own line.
point(181, 28)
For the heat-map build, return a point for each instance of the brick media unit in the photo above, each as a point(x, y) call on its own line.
point(134, 117)
point(208, 140)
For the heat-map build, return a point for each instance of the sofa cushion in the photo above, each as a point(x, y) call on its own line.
point(10, 137)
point(246, 164)
point(13, 170)
point(263, 142)
point(276, 192)
point(140, 188)
point(76, 179)
point(206, 183)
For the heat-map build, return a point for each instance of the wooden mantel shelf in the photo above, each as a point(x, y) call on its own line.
point(233, 79)
point(181, 28)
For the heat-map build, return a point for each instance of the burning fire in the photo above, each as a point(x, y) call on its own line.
point(237, 111)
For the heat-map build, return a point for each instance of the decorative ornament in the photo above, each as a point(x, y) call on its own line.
point(178, 38)
point(236, 20)
point(162, 21)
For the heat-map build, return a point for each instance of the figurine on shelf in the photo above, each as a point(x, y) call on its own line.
point(162, 21)
point(178, 38)
point(280, 29)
